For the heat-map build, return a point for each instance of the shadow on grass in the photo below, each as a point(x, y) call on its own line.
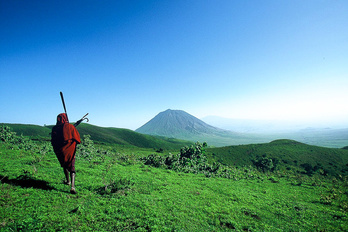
point(26, 182)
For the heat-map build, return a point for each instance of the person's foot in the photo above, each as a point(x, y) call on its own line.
point(73, 190)
point(67, 182)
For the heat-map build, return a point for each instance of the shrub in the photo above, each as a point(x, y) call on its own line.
point(14, 141)
point(192, 159)
point(265, 163)
point(86, 149)
point(6, 135)
point(154, 160)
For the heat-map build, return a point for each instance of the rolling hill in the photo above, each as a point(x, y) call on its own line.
point(288, 153)
point(181, 125)
point(129, 137)
point(34, 131)
point(103, 135)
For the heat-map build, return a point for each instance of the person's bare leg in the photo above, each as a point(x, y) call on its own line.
point(73, 190)
point(66, 173)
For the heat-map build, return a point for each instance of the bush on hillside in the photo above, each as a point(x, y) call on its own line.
point(86, 149)
point(310, 170)
point(37, 150)
point(6, 135)
point(265, 163)
point(14, 141)
point(192, 159)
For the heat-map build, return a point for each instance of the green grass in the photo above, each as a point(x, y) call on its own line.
point(129, 137)
point(116, 137)
point(116, 192)
point(33, 131)
point(289, 153)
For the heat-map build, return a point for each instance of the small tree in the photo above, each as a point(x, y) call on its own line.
point(265, 163)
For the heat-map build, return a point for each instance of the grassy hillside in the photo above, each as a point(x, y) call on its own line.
point(117, 192)
point(129, 137)
point(288, 153)
point(34, 131)
point(104, 135)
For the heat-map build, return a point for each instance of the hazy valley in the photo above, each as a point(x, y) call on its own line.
point(219, 131)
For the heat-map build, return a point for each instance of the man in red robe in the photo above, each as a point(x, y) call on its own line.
point(65, 137)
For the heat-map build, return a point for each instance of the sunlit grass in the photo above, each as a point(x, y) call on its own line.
point(114, 196)
point(118, 192)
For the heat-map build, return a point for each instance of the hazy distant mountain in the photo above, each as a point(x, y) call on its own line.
point(174, 123)
point(253, 126)
point(181, 125)
point(334, 134)
point(269, 126)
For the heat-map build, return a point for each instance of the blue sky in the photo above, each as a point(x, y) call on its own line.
point(125, 61)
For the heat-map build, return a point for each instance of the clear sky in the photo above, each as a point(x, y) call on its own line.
point(125, 61)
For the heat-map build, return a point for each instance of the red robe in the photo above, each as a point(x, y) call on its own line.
point(65, 137)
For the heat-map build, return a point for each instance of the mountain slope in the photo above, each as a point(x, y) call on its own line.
point(129, 137)
point(174, 123)
point(103, 135)
point(181, 125)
